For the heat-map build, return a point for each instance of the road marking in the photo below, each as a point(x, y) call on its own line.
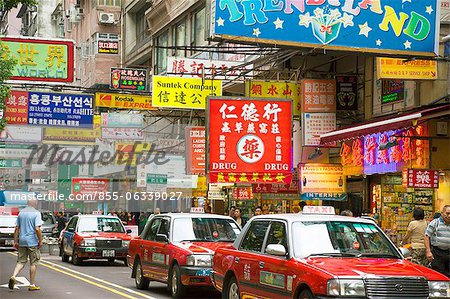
point(20, 282)
point(78, 275)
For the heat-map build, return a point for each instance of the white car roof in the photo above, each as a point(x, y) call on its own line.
point(194, 215)
point(311, 217)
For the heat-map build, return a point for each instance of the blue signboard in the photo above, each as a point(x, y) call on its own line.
point(61, 110)
point(380, 26)
point(323, 196)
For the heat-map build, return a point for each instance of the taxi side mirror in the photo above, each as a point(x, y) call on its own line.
point(276, 249)
point(161, 238)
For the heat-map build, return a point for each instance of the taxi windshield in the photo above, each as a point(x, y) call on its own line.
point(203, 229)
point(341, 239)
point(100, 224)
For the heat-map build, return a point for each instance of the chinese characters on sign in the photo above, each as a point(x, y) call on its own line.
point(93, 188)
point(212, 69)
point(322, 181)
point(73, 136)
point(189, 93)
point(122, 120)
point(122, 133)
point(195, 150)
point(291, 188)
point(393, 68)
point(128, 79)
point(58, 109)
point(16, 110)
point(40, 59)
point(421, 178)
point(318, 95)
point(275, 89)
point(403, 149)
point(123, 101)
point(242, 193)
point(250, 140)
point(315, 124)
point(108, 47)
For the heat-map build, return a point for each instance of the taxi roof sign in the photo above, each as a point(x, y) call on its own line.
point(318, 210)
point(197, 210)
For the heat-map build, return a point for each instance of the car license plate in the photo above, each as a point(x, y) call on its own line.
point(108, 253)
point(9, 242)
point(203, 272)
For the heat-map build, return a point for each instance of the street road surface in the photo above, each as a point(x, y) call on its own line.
point(94, 279)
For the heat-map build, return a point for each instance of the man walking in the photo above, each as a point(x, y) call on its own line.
point(28, 241)
point(437, 242)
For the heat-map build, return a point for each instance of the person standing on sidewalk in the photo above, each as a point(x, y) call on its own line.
point(437, 242)
point(28, 241)
point(416, 236)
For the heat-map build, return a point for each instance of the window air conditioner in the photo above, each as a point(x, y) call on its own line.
point(106, 18)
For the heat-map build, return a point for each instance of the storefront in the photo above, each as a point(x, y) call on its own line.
point(396, 156)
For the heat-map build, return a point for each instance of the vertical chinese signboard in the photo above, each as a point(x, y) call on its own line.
point(41, 59)
point(195, 150)
point(249, 140)
point(275, 89)
point(16, 110)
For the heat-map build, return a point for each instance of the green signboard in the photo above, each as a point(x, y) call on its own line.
point(40, 59)
point(156, 178)
point(10, 163)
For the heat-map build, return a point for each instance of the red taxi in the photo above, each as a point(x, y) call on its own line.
point(177, 249)
point(94, 237)
point(305, 256)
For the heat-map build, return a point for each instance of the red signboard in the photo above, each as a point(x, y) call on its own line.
point(243, 193)
point(291, 188)
point(16, 110)
point(421, 178)
point(195, 150)
point(250, 140)
point(90, 189)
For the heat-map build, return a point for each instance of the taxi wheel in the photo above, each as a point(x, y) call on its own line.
point(232, 290)
point(111, 260)
point(139, 279)
point(177, 289)
point(306, 294)
point(75, 259)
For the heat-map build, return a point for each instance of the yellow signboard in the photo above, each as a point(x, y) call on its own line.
point(123, 101)
point(189, 93)
point(275, 89)
point(73, 136)
point(393, 68)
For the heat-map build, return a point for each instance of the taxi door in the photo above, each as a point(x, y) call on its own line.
point(69, 233)
point(275, 276)
point(248, 258)
point(159, 251)
point(145, 247)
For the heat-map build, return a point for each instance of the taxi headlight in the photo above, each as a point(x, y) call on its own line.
point(346, 287)
point(125, 243)
point(199, 260)
point(439, 289)
point(88, 243)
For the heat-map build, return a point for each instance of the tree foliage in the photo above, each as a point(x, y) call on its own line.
point(7, 5)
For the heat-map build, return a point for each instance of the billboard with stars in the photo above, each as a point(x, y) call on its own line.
point(402, 27)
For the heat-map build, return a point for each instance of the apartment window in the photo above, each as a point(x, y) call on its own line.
point(141, 26)
point(107, 2)
point(162, 53)
point(198, 28)
point(180, 38)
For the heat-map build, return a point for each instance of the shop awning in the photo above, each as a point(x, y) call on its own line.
point(392, 122)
